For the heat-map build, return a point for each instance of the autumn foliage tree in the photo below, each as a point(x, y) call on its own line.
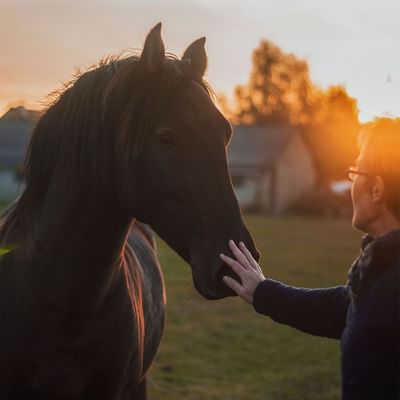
point(280, 90)
point(332, 132)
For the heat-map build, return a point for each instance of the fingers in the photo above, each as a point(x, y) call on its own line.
point(234, 285)
point(236, 266)
point(249, 256)
point(246, 267)
point(239, 255)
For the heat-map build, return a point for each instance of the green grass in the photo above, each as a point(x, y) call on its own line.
point(225, 350)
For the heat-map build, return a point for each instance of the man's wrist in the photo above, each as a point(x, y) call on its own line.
point(257, 290)
point(263, 296)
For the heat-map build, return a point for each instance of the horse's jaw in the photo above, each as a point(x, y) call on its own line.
point(208, 294)
point(207, 278)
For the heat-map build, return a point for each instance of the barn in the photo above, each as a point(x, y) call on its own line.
point(271, 167)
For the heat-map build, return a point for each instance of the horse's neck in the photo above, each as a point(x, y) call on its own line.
point(79, 246)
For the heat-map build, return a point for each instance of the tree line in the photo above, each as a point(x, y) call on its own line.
point(279, 90)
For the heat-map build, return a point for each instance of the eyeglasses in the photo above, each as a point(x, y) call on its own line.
point(352, 173)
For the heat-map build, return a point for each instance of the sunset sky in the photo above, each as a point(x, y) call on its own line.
point(349, 42)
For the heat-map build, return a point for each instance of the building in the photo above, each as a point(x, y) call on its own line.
point(271, 167)
point(15, 128)
point(21, 114)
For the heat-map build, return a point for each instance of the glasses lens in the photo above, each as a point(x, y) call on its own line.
point(351, 173)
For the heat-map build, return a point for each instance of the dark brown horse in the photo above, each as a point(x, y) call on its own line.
point(81, 292)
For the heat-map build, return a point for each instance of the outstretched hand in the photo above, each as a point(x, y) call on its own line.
point(246, 267)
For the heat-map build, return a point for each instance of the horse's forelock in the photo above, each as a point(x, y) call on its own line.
point(136, 99)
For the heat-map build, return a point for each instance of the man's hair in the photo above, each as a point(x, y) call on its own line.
point(381, 139)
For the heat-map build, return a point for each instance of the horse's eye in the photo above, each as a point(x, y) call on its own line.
point(166, 138)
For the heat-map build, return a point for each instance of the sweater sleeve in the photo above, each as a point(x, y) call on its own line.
point(320, 312)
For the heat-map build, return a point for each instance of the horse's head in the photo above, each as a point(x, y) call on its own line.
point(172, 172)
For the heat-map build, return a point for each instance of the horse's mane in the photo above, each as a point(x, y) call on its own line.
point(75, 135)
point(100, 113)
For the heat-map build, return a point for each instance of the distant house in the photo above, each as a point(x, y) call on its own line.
point(21, 114)
point(15, 128)
point(271, 167)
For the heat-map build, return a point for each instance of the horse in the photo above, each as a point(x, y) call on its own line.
point(131, 146)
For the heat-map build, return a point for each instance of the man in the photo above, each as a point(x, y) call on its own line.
point(364, 314)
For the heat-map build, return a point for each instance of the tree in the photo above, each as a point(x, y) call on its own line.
point(280, 90)
point(331, 132)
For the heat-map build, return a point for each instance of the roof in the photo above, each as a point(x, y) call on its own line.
point(258, 146)
point(14, 138)
point(20, 113)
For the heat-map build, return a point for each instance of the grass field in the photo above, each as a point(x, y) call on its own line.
point(224, 350)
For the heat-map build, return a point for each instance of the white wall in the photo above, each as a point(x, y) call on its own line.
point(295, 174)
point(9, 186)
point(246, 191)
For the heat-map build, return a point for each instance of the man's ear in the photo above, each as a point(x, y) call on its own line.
point(378, 190)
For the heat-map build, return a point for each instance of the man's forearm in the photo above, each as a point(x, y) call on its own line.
point(320, 312)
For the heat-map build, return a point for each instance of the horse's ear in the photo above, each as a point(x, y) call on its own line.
point(195, 59)
point(153, 54)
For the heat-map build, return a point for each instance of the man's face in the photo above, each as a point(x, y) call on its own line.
point(364, 210)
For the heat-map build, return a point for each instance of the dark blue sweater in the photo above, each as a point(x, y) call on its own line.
point(364, 314)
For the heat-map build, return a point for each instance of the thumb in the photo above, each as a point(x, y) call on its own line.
point(233, 284)
point(237, 288)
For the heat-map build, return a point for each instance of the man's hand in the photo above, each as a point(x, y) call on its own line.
point(246, 267)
